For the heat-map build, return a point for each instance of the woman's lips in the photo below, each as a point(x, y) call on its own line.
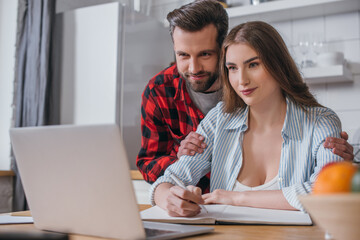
point(248, 91)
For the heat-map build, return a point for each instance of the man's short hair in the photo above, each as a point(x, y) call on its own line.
point(195, 16)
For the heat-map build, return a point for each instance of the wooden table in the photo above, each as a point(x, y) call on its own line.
point(224, 232)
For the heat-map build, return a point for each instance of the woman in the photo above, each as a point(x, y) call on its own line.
point(266, 135)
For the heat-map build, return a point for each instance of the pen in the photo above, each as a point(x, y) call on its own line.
point(182, 185)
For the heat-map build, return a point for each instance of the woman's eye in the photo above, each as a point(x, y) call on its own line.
point(231, 68)
point(253, 64)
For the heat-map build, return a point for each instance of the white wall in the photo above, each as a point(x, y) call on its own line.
point(8, 14)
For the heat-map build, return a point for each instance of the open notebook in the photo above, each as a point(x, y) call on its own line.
point(225, 214)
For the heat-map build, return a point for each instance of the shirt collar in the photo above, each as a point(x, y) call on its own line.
point(291, 129)
point(239, 119)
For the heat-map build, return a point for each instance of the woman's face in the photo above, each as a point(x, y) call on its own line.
point(248, 76)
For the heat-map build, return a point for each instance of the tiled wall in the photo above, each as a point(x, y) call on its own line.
point(340, 32)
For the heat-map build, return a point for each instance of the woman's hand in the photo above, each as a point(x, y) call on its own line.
point(220, 196)
point(260, 199)
point(178, 202)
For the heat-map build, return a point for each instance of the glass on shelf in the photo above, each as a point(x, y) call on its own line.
point(304, 48)
point(317, 45)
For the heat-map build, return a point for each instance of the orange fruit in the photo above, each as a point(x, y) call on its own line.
point(335, 177)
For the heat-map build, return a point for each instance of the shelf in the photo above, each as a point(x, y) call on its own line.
point(281, 10)
point(329, 74)
point(6, 173)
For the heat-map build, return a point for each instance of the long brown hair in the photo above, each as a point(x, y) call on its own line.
point(272, 51)
point(195, 16)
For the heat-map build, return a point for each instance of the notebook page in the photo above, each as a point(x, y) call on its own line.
point(159, 215)
point(248, 215)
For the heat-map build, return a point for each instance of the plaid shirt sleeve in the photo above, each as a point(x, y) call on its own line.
point(158, 148)
point(165, 122)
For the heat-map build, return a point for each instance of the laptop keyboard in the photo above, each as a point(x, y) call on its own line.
point(151, 232)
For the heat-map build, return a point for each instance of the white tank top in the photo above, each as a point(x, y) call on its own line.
point(273, 184)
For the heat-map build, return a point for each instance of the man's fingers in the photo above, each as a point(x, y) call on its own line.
point(192, 147)
point(184, 151)
point(193, 141)
point(188, 149)
point(331, 142)
point(339, 147)
point(196, 135)
point(344, 135)
point(335, 140)
point(344, 155)
point(338, 143)
point(196, 139)
point(347, 148)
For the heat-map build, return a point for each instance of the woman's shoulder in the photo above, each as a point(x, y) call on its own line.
point(312, 120)
point(320, 111)
point(316, 113)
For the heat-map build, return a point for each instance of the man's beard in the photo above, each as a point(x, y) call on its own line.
point(202, 85)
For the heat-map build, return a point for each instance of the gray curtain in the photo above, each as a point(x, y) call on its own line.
point(35, 104)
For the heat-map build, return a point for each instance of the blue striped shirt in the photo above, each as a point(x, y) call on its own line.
point(302, 150)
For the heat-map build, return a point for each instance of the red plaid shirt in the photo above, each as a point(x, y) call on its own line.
point(168, 115)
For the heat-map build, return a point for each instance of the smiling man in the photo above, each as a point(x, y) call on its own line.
point(177, 99)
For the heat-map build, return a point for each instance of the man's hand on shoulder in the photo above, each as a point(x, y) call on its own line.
point(340, 146)
point(193, 143)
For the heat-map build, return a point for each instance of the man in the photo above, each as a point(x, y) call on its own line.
point(177, 99)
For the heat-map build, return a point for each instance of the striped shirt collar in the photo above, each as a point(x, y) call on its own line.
point(291, 128)
point(238, 119)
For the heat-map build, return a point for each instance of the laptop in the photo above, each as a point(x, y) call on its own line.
point(77, 180)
